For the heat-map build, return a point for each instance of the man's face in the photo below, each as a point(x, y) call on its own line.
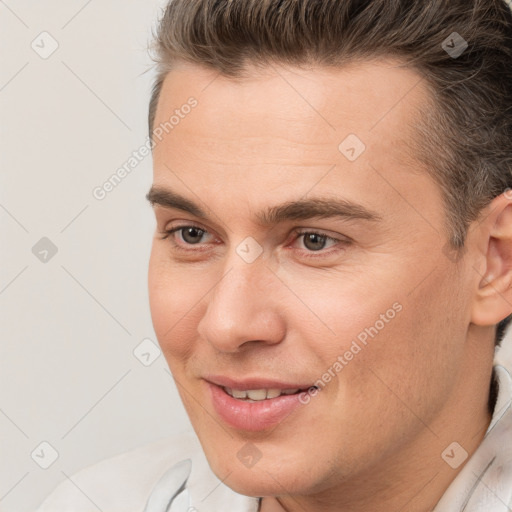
point(246, 304)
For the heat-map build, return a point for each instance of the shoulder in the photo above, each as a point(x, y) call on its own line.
point(122, 483)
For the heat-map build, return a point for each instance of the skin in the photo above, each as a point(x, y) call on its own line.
point(372, 439)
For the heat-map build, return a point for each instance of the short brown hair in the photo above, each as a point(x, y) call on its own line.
point(463, 137)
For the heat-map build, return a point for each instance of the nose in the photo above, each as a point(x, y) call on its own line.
point(243, 308)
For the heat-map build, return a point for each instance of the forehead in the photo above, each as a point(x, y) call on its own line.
point(287, 127)
point(366, 98)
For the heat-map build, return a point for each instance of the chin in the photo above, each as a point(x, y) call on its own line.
point(267, 477)
point(258, 483)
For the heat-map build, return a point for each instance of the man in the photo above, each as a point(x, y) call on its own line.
point(332, 258)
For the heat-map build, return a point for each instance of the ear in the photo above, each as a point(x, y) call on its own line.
point(493, 300)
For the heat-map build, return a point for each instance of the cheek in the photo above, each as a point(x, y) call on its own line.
point(408, 338)
point(337, 309)
point(415, 358)
point(175, 302)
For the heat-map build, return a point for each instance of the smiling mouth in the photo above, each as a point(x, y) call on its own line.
point(258, 395)
point(247, 405)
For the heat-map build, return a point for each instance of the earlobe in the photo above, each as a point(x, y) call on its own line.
point(493, 300)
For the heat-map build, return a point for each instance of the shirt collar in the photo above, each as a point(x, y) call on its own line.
point(485, 482)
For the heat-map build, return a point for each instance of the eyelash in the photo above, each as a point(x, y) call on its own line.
point(167, 234)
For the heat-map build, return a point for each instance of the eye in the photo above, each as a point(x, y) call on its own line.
point(189, 235)
point(315, 242)
point(185, 237)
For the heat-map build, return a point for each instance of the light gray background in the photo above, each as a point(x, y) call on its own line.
point(70, 325)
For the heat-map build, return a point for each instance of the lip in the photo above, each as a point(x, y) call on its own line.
point(252, 416)
point(254, 383)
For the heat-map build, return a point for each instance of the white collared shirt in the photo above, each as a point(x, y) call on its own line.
point(175, 473)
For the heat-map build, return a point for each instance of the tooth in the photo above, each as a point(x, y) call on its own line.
point(289, 391)
point(239, 394)
point(257, 394)
point(273, 393)
point(229, 391)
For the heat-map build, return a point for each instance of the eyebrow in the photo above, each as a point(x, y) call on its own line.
point(302, 209)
